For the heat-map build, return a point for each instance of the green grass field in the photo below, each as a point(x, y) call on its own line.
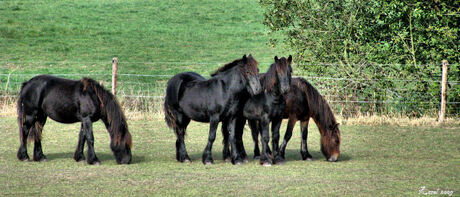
point(148, 37)
point(375, 161)
point(165, 38)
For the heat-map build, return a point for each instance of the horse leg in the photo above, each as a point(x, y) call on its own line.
point(239, 129)
point(87, 126)
point(181, 151)
point(287, 136)
point(236, 159)
point(276, 124)
point(303, 145)
point(24, 129)
point(255, 137)
point(78, 155)
point(207, 154)
point(266, 158)
point(37, 130)
point(226, 150)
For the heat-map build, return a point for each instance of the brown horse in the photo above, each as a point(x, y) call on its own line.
point(302, 102)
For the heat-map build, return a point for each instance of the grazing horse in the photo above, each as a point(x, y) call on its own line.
point(189, 96)
point(262, 109)
point(302, 102)
point(70, 101)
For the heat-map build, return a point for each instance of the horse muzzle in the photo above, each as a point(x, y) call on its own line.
point(255, 86)
point(333, 158)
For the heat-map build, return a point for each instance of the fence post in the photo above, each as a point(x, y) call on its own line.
point(442, 112)
point(114, 75)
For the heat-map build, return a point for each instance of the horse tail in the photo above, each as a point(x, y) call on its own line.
point(112, 113)
point(172, 102)
point(20, 109)
point(174, 91)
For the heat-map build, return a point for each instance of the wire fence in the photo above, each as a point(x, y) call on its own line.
point(145, 92)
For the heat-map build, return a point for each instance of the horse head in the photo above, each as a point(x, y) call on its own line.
point(251, 73)
point(330, 143)
point(284, 73)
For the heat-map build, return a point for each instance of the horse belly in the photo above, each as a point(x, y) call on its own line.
point(60, 109)
point(196, 113)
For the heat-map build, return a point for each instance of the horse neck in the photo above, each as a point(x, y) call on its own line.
point(112, 115)
point(271, 83)
point(233, 80)
point(321, 112)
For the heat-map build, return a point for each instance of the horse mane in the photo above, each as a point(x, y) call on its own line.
point(226, 67)
point(269, 79)
point(320, 110)
point(112, 113)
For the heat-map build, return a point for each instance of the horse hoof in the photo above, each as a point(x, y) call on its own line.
point(246, 160)
point(267, 164)
point(43, 160)
point(238, 163)
point(280, 162)
point(208, 163)
point(308, 159)
point(228, 160)
point(95, 163)
point(187, 161)
point(25, 160)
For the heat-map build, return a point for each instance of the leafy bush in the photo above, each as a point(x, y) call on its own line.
point(389, 52)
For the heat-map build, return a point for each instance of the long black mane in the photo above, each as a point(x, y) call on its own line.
point(112, 114)
point(226, 67)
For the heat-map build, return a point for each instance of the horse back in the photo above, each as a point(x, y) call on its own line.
point(297, 101)
point(60, 99)
point(198, 98)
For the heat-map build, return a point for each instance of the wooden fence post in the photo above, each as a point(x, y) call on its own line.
point(114, 75)
point(442, 112)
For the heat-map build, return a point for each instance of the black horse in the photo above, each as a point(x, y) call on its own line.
point(190, 96)
point(70, 101)
point(302, 102)
point(262, 109)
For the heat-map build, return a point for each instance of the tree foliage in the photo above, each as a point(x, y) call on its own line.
point(373, 43)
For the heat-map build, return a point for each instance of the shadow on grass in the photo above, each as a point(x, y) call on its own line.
point(103, 157)
point(294, 155)
point(291, 155)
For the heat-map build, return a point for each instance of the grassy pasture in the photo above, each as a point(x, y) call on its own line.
point(167, 37)
point(375, 161)
point(149, 37)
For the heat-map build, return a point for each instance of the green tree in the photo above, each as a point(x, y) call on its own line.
point(370, 43)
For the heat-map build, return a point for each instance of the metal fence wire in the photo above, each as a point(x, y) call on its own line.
point(143, 92)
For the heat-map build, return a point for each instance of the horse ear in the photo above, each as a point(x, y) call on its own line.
point(336, 125)
point(290, 59)
point(245, 59)
point(276, 58)
point(250, 55)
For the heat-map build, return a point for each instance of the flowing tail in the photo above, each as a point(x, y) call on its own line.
point(32, 133)
point(114, 118)
point(174, 91)
point(20, 109)
point(172, 102)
